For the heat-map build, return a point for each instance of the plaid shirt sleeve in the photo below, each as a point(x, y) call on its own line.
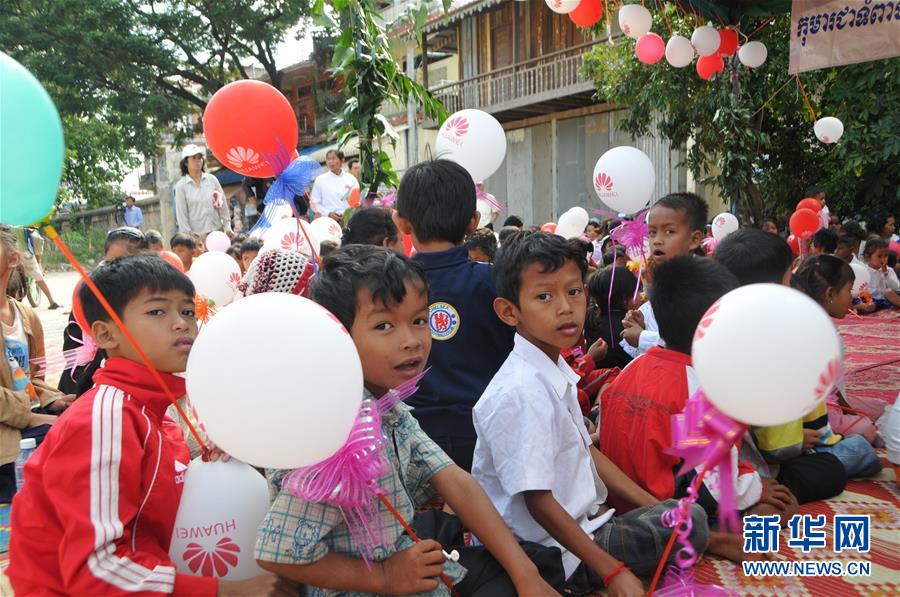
point(426, 459)
point(294, 531)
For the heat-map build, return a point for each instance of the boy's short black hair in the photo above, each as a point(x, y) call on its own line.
point(438, 199)
point(683, 289)
point(484, 240)
point(523, 249)
point(514, 221)
point(874, 245)
point(233, 251)
point(812, 191)
point(382, 271)
point(183, 240)
point(121, 280)
point(370, 226)
point(327, 247)
point(507, 232)
point(127, 234)
point(754, 256)
point(694, 207)
point(351, 162)
point(250, 245)
point(847, 240)
point(608, 258)
point(825, 239)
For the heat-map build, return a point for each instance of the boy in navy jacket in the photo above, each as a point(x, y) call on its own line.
point(436, 207)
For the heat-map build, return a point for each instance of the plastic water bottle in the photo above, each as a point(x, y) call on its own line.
point(26, 449)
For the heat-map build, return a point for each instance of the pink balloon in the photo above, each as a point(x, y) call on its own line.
point(650, 48)
point(217, 241)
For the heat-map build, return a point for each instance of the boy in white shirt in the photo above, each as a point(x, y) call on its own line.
point(533, 456)
point(330, 190)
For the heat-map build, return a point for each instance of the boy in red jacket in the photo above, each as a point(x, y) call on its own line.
point(95, 515)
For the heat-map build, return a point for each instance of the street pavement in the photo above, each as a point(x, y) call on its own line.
point(62, 285)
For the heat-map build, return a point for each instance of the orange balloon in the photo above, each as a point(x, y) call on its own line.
point(804, 223)
point(728, 42)
point(810, 203)
point(707, 66)
point(587, 13)
point(78, 310)
point(173, 260)
point(549, 227)
point(353, 199)
point(408, 245)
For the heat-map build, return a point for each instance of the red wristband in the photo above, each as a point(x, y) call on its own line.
point(613, 574)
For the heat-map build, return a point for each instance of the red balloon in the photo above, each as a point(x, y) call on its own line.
point(650, 48)
point(728, 42)
point(246, 120)
point(587, 13)
point(794, 243)
point(810, 203)
point(707, 66)
point(804, 223)
point(173, 260)
point(353, 198)
point(549, 227)
point(408, 246)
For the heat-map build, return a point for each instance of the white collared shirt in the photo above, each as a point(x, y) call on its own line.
point(649, 337)
point(195, 210)
point(531, 436)
point(329, 192)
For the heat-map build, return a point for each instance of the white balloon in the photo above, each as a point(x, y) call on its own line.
point(217, 241)
point(562, 7)
point(724, 224)
point(753, 54)
point(572, 223)
point(706, 40)
point(288, 234)
point(679, 51)
point(474, 140)
point(624, 178)
point(635, 21)
point(325, 228)
point(304, 398)
point(221, 507)
point(753, 357)
point(828, 129)
point(861, 280)
point(216, 277)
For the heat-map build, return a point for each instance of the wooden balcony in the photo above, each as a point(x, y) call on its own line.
point(544, 85)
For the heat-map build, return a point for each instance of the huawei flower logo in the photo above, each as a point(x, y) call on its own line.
point(557, 3)
point(215, 562)
point(826, 139)
point(290, 241)
point(458, 126)
point(706, 321)
point(240, 157)
point(603, 182)
point(626, 29)
point(234, 279)
point(828, 380)
point(720, 221)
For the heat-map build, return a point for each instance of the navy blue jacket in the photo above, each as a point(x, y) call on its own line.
point(469, 342)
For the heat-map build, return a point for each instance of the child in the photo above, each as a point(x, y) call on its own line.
point(757, 257)
point(250, 248)
point(382, 299)
point(846, 249)
point(28, 406)
point(609, 309)
point(883, 283)
point(824, 241)
point(234, 251)
point(534, 457)
point(436, 207)
point(184, 246)
point(154, 241)
point(828, 280)
point(96, 513)
point(373, 226)
point(636, 423)
point(482, 246)
point(677, 226)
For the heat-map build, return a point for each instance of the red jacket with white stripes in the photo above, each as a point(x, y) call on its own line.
point(95, 515)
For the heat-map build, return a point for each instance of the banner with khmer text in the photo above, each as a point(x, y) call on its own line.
point(828, 33)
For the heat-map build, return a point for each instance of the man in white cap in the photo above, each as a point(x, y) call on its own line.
point(200, 205)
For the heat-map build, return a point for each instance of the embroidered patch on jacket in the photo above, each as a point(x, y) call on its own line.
point(444, 320)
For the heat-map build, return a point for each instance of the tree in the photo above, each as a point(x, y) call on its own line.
point(750, 132)
point(122, 72)
point(362, 59)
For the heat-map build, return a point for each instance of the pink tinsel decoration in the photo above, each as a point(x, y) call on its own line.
point(75, 357)
point(632, 235)
point(348, 479)
point(488, 198)
point(681, 583)
point(709, 244)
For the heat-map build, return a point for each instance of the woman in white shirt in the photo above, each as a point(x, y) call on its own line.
point(200, 205)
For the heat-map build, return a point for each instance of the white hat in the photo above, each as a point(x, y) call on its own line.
point(192, 149)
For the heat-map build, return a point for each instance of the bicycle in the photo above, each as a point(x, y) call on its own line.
point(22, 287)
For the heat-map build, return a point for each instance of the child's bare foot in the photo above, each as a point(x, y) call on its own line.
point(731, 547)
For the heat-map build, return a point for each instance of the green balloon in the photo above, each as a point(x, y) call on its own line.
point(31, 146)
